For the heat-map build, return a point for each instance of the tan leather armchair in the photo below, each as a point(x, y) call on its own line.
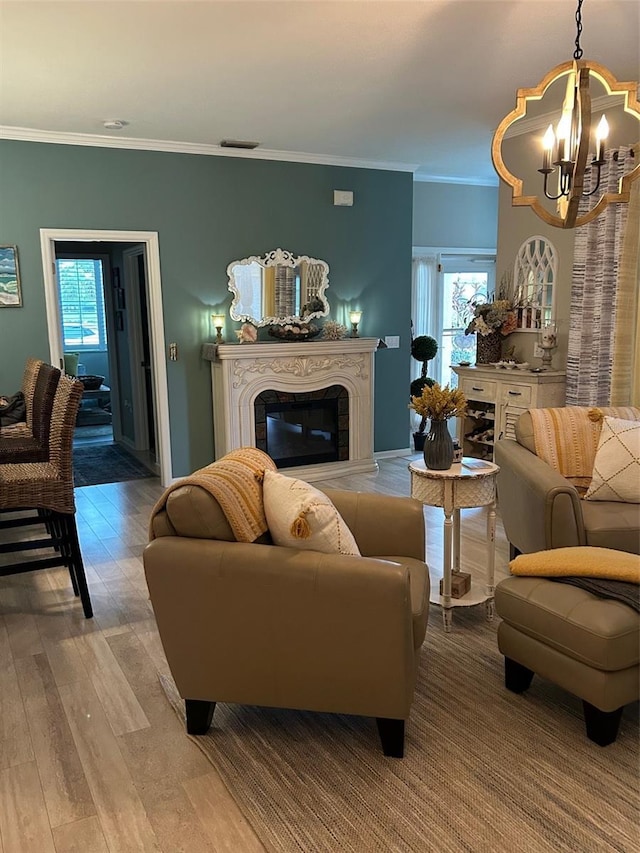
point(541, 509)
point(265, 625)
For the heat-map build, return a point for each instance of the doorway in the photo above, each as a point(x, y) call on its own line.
point(82, 272)
point(133, 328)
point(444, 283)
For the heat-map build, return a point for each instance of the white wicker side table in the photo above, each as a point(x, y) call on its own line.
point(460, 487)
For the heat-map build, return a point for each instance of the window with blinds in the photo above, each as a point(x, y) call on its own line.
point(80, 286)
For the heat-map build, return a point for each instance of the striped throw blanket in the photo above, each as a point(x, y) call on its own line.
point(235, 481)
point(567, 438)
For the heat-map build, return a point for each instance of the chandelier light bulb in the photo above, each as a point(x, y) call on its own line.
point(548, 142)
point(549, 139)
point(603, 128)
point(602, 132)
point(563, 133)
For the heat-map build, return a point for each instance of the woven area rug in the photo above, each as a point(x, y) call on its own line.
point(485, 770)
point(105, 463)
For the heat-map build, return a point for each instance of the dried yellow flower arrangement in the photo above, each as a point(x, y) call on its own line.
point(439, 404)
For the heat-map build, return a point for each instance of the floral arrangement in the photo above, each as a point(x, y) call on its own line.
point(332, 331)
point(497, 316)
point(439, 403)
point(488, 317)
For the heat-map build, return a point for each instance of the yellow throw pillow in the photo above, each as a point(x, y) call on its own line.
point(616, 468)
point(301, 516)
point(580, 561)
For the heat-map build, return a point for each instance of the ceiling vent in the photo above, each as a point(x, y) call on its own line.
point(238, 143)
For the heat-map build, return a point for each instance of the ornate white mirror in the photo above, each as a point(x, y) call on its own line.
point(534, 278)
point(277, 288)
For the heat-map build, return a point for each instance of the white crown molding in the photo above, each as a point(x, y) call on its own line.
point(446, 251)
point(542, 122)
point(442, 179)
point(27, 134)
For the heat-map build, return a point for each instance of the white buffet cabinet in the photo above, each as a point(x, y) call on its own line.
point(495, 400)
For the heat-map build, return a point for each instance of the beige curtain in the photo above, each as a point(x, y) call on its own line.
point(625, 377)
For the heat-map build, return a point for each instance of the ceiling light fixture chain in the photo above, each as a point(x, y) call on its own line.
point(577, 53)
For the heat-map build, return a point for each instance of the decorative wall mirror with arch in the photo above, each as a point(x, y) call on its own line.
point(534, 278)
point(278, 288)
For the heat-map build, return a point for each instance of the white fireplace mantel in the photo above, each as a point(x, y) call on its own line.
point(240, 372)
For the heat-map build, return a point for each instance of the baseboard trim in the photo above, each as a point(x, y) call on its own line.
point(389, 454)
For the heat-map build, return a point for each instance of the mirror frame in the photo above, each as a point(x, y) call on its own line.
point(535, 276)
point(273, 258)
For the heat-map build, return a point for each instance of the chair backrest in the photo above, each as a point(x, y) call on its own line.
point(63, 421)
point(42, 404)
point(29, 380)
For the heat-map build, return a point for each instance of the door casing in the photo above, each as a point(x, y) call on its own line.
point(48, 238)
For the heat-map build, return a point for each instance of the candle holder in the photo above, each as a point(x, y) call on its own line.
point(548, 342)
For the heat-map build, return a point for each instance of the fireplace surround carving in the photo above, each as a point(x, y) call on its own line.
point(240, 373)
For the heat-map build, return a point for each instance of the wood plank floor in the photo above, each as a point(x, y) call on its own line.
point(92, 758)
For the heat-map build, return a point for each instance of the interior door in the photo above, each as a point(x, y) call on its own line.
point(141, 362)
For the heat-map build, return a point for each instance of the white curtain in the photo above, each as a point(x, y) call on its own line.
point(426, 303)
point(596, 297)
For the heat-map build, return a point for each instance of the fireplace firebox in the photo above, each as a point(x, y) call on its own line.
point(303, 428)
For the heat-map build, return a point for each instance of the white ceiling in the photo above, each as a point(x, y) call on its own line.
point(422, 84)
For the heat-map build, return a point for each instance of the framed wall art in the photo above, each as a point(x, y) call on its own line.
point(10, 291)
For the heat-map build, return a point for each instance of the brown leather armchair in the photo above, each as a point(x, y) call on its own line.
point(266, 625)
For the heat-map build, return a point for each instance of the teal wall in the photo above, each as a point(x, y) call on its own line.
point(207, 212)
point(455, 215)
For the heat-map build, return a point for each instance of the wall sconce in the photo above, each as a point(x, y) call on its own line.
point(354, 317)
point(218, 322)
point(566, 152)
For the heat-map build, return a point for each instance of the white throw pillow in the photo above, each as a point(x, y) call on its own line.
point(301, 516)
point(616, 469)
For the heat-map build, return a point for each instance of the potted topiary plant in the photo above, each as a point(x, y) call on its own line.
point(423, 348)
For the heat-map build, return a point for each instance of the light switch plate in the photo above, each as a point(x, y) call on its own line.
point(392, 341)
point(538, 352)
